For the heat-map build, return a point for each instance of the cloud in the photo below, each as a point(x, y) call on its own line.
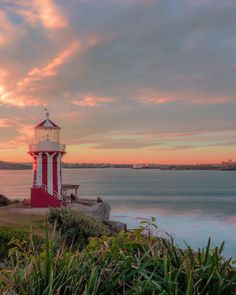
point(124, 144)
point(51, 68)
point(4, 123)
point(24, 93)
point(90, 100)
point(25, 135)
point(49, 14)
point(6, 146)
point(151, 96)
point(121, 74)
point(8, 31)
point(15, 132)
point(45, 12)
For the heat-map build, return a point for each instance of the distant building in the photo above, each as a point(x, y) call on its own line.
point(229, 165)
point(46, 152)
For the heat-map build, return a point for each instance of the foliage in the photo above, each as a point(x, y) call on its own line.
point(4, 201)
point(10, 237)
point(76, 226)
point(128, 263)
point(146, 228)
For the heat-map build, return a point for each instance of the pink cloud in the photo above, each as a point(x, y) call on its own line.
point(25, 132)
point(25, 92)
point(25, 135)
point(45, 12)
point(50, 69)
point(4, 123)
point(154, 96)
point(6, 146)
point(13, 97)
point(91, 100)
point(7, 30)
point(49, 14)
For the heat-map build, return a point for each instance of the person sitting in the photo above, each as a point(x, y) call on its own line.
point(99, 199)
point(73, 198)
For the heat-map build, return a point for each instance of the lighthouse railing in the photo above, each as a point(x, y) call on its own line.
point(47, 146)
point(45, 188)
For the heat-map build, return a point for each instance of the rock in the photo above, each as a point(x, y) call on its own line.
point(116, 226)
point(97, 210)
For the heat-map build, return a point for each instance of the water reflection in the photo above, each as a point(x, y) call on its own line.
point(190, 227)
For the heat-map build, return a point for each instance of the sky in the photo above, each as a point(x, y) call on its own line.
point(128, 81)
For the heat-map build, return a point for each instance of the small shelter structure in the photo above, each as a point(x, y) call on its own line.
point(68, 189)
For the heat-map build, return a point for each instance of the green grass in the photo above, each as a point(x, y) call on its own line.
point(13, 217)
point(127, 263)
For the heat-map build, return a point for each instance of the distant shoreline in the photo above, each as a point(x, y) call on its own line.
point(225, 166)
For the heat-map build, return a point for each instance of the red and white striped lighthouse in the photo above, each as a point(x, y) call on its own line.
point(46, 152)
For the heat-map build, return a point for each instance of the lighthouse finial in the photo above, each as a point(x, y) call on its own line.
point(47, 113)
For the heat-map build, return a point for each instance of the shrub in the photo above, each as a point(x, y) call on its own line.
point(76, 226)
point(4, 201)
point(7, 235)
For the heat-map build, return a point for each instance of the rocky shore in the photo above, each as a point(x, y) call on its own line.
point(100, 210)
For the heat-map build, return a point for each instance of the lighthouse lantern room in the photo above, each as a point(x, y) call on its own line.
point(46, 153)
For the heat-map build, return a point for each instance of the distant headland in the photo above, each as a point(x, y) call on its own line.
point(225, 166)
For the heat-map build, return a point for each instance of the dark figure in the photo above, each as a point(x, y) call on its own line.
point(73, 198)
point(99, 200)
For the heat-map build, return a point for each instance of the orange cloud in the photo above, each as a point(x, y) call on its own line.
point(5, 123)
point(22, 93)
point(45, 12)
point(16, 98)
point(7, 30)
point(155, 96)
point(155, 99)
point(26, 134)
point(49, 14)
point(6, 145)
point(51, 68)
point(13, 99)
point(152, 96)
point(91, 100)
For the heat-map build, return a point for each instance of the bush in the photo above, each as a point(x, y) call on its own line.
point(4, 201)
point(76, 226)
point(7, 235)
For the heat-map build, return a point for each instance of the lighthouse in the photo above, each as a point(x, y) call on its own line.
point(46, 152)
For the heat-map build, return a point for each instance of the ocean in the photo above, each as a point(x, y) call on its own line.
point(190, 205)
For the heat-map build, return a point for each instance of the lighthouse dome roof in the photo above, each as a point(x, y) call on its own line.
point(47, 124)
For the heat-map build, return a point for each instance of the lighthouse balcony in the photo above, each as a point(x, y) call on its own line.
point(49, 146)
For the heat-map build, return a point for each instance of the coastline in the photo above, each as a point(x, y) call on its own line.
point(191, 205)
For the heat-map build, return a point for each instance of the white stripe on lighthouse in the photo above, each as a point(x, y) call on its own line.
point(50, 173)
point(39, 170)
point(59, 174)
point(34, 175)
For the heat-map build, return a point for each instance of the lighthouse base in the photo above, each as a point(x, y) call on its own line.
point(41, 199)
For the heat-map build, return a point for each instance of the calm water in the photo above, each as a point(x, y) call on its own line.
point(190, 205)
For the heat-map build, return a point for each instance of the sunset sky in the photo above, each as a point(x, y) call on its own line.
point(127, 80)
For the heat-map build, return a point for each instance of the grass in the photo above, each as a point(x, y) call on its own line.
point(12, 217)
point(126, 263)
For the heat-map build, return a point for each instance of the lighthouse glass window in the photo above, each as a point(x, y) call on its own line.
point(47, 134)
